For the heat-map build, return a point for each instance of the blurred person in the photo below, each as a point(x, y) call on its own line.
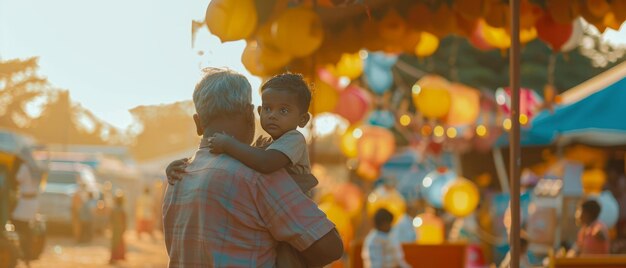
point(380, 249)
point(78, 199)
point(404, 231)
point(86, 216)
point(118, 227)
point(25, 211)
point(145, 213)
point(223, 213)
point(524, 262)
point(616, 184)
point(593, 236)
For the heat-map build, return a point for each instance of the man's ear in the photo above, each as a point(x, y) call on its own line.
point(258, 110)
point(199, 127)
point(304, 119)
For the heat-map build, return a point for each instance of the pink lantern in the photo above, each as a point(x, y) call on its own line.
point(529, 101)
point(353, 104)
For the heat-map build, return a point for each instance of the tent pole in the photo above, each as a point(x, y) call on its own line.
point(515, 152)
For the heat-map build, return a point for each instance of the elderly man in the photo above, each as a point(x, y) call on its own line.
point(224, 214)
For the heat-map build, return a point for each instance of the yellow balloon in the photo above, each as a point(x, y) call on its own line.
point(388, 198)
point(427, 45)
point(500, 37)
point(350, 65)
point(593, 181)
point(429, 229)
point(461, 197)
point(465, 105)
point(298, 31)
point(231, 20)
point(324, 99)
point(340, 218)
point(349, 141)
point(263, 61)
point(432, 97)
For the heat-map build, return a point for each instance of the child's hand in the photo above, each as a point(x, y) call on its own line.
point(175, 170)
point(262, 142)
point(219, 142)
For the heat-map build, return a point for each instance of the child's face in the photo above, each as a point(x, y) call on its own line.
point(582, 217)
point(280, 113)
point(385, 227)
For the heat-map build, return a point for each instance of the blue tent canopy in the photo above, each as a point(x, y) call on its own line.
point(597, 119)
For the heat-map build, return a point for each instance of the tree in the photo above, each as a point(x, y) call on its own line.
point(19, 85)
point(164, 129)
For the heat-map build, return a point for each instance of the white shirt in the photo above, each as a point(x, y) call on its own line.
point(380, 250)
point(26, 208)
point(403, 231)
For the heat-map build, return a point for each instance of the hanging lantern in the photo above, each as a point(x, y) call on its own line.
point(618, 7)
point(250, 57)
point(471, 9)
point(465, 105)
point(337, 215)
point(353, 104)
point(563, 11)
point(553, 33)
point(298, 31)
point(231, 20)
point(433, 186)
point(495, 37)
point(367, 171)
point(349, 197)
point(388, 198)
point(593, 181)
point(349, 141)
point(410, 41)
point(498, 14)
point(464, 27)
point(429, 229)
point(477, 39)
point(376, 145)
point(427, 45)
point(461, 197)
point(598, 8)
point(431, 96)
point(324, 98)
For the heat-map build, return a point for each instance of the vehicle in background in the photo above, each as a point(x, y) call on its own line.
point(63, 182)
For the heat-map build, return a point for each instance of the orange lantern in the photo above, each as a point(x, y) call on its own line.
point(349, 197)
point(598, 8)
point(376, 145)
point(420, 17)
point(411, 40)
point(428, 44)
point(298, 31)
point(465, 105)
point(339, 217)
point(593, 181)
point(618, 7)
point(431, 96)
point(498, 15)
point(392, 27)
point(231, 20)
point(445, 21)
point(368, 171)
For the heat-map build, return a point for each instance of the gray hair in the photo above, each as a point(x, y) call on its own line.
point(221, 92)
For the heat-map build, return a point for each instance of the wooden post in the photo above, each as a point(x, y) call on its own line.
point(515, 159)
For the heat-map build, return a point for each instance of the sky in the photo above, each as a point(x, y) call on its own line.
point(118, 54)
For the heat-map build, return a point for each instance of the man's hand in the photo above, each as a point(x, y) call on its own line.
point(175, 170)
point(219, 142)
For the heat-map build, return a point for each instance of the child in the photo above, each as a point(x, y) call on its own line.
point(593, 236)
point(286, 98)
point(118, 227)
point(379, 248)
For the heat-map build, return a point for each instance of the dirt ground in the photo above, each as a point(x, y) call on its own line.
point(62, 251)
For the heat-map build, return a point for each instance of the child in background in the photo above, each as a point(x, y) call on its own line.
point(118, 227)
point(286, 99)
point(593, 236)
point(381, 250)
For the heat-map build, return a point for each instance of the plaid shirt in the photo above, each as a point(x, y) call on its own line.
point(224, 214)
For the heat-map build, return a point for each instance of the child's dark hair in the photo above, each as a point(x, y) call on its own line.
point(293, 83)
point(592, 208)
point(381, 217)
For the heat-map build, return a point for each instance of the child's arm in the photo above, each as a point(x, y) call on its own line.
point(264, 161)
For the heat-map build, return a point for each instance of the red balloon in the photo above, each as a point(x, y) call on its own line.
point(553, 33)
point(353, 104)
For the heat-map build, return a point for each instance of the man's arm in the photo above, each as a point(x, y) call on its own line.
point(325, 250)
point(264, 161)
